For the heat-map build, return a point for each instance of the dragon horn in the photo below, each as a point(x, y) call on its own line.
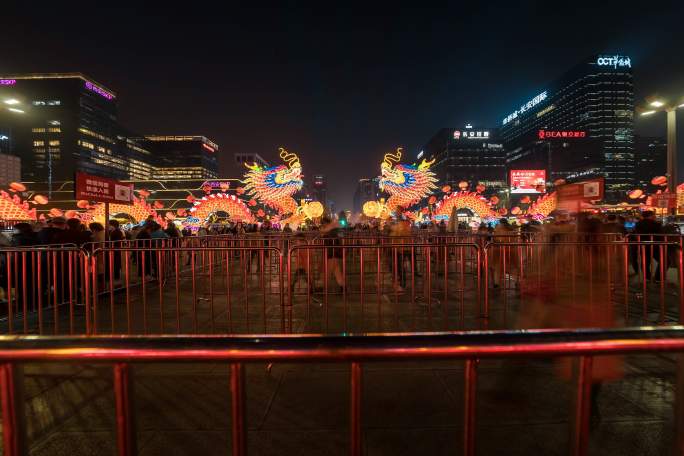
point(426, 164)
point(392, 158)
point(253, 166)
point(291, 159)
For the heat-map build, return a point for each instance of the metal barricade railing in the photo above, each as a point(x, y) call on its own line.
point(471, 347)
point(599, 273)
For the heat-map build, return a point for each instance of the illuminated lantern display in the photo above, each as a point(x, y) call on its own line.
point(503, 211)
point(313, 209)
point(190, 199)
point(260, 213)
point(275, 186)
point(143, 193)
point(17, 187)
point(240, 190)
point(425, 211)
point(525, 199)
point(71, 214)
point(464, 200)
point(432, 200)
point(543, 206)
point(207, 205)
point(206, 188)
point(516, 210)
point(635, 194)
point(55, 212)
point(82, 204)
point(659, 180)
point(446, 188)
point(371, 209)
point(480, 188)
point(252, 202)
point(40, 199)
point(463, 185)
point(494, 200)
point(139, 211)
point(406, 184)
point(181, 212)
point(170, 215)
point(13, 208)
point(158, 205)
point(559, 182)
point(224, 186)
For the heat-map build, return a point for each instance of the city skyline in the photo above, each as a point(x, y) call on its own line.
point(338, 99)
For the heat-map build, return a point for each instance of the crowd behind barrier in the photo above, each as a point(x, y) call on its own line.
point(65, 278)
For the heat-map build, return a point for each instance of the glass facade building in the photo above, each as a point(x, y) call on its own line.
point(182, 157)
point(595, 97)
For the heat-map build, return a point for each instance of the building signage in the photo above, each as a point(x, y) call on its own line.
point(7, 82)
point(209, 148)
point(527, 106)
point(98, 90)
point(458, 134)
point(528, 180)
point(614, 61)
point(102, 189)
point(546, 134)
point(571, 197)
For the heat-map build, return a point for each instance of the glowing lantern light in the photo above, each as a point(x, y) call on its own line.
point(42, 217)
point(252, 202)
point(224, 186)
point(170, 215)
point(432, 199)
point(158, 204)
point(56, 212)
point(516, 210)
point(659, 180)
point(206, 188)
point(494, 200)
point(82, 204)
point(463, 185)
point(635, 194)
point(40, 199)
point(143, 193)
point(559, 182)
point(313, 209)
point(503, 211)
point(71, 214)
point(371, 208)
point(17, 187)
point(525, 199)
point(480, 188)
point(260, 213)
point(425, 211)
point(181, 212)
point(446, 188)
point(240, 190)
point(190, 199)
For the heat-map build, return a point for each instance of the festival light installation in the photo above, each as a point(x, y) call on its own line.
point(406, 184)
point(139, 211)
point(475, 202)
point(13, 208)
point(275, 186)
point(203, 207)
point(543, 206)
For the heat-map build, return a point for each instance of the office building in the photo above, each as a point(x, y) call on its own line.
point(591, 107)
point(650, 157)
point(471, 154)
point(366, 190)
point(182, 157)
point(319, 189)
point(10, 169)
point(240, 159)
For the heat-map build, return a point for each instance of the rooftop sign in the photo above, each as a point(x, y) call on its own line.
point(529, 105)
point(615, 61)
point(98, 90)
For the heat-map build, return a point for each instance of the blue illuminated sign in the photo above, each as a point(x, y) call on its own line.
point(615, 61)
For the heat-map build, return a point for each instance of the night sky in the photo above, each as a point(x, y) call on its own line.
point(340, 87)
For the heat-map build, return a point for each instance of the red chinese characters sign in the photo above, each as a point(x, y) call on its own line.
point(528, 180)
point(548, 134)
point(102, 189)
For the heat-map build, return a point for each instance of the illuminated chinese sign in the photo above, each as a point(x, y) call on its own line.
point(527, 106)
point(546, 134)
point(615, 61)
point(528, 181)
point(458, 134)
point(209, 148)
point(98, 90)
point(7, 82)
point(102, 189)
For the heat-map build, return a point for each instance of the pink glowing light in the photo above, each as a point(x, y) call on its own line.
point(90, 86)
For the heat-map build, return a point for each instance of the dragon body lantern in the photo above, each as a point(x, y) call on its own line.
point(275, 186)
point(406, 184)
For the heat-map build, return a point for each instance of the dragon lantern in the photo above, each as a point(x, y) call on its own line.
point(406, 184)
point(275, 186)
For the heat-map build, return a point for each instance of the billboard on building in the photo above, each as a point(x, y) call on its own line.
point(528, 181)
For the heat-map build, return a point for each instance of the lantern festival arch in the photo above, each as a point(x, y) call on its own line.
point(139, 211)
point(544, 205)
point(236, 209)
point(12, 208)
point(475, 202)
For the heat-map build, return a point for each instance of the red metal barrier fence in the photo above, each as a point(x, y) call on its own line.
point(468, 346)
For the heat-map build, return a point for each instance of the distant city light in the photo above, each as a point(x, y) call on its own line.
point(11, 101)
point(657, 104)
point(209, 148)
point(16, 110)
point(8, 82)
point(98, 90)
point(530, 104)
point(4, 137)
point(647, 113)
point(681, 105)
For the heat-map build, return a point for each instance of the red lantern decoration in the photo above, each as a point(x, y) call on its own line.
point(180, 212)
point(260, 213)
point(17, 187)
point(82, 204)
point(158, 205)
point(525, 199)
point(446, 188)
point(503, 211)
point(659, 180)
point(143, 193)
point(225, 186)
point(463, 185)
point(206, 188)
point(170, 215)
point(240, 190)
point(425, 211)
point(56, 212)
point(559, 182)
point(635, 194)
point(40, 199)
point(494, 200)
point(516, 210)
point(190, 199)
point(480, 188)
point(71, 214)
point(432, 199)
point(252, 202)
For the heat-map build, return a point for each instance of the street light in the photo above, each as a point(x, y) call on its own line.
point(671, 110)
point(12, 101)
point(18, 111)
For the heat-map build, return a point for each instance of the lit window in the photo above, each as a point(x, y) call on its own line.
point(38, 143)
point(38, 103)
point(55, 130)
point(54, 102)
point(87, 145)
point(54, 122)
point(54, 142)
point(38, 130)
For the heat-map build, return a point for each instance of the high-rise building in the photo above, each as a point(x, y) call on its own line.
point(591, 104)
point(471, 154)
point(366, 190)
point(319, 189)
point(182, 157)
point(241, 159)
point(59, 123)
point(650, 157)
point(10, 169)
